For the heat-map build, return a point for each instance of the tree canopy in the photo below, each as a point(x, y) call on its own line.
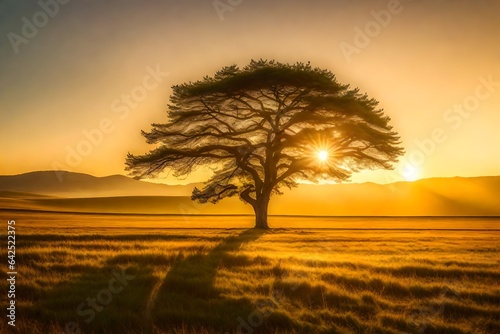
point(267, 126)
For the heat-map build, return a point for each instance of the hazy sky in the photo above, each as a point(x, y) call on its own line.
point(98, 69)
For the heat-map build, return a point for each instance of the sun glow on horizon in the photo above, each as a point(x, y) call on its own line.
point(411, 173)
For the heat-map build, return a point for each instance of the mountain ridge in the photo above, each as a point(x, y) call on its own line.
point(74, 184)
point(453, 196)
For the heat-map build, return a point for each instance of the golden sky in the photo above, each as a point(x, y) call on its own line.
point(86, 76)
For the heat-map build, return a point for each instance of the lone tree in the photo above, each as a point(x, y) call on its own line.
point(266, 126)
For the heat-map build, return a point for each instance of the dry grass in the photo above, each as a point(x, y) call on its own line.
point(279, 281)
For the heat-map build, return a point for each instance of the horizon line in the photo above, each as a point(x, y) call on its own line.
point(186, 184)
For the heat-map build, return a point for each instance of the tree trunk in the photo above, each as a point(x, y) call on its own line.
point(261, 212)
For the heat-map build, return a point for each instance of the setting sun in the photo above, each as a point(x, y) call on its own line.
point(323, 155)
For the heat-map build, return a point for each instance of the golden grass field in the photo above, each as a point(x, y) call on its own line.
point(360, 275)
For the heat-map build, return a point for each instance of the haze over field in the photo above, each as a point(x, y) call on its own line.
point(119, 194)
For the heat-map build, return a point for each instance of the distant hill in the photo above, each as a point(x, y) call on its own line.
point(69, 184)
point(476, 196)
point(457, 196)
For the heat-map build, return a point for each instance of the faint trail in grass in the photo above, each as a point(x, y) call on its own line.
point(152, 301)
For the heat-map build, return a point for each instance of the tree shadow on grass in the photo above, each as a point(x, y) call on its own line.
point(188, 298)
point(118, 291)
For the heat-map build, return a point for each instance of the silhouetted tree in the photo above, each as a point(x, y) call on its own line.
point(266, 126)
